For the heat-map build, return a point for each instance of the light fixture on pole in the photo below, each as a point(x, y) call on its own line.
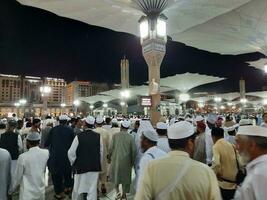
point(45, 92)
point(201, 105)
point(125, 94)
point(76, 104)
point(62, 105)
point(217, 99)
point(91, 109)
point(265, 68)
point(17, 104)
point(184, 97)
point(153, 36)
point(243, 100)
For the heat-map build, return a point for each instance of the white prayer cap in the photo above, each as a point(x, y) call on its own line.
point(90, 120)
point(114, 121)
point(63, 118)
point(188, 119)
point(99, 120)
point(199, 118)
point(151, 135)
point(172, 121)
point(212, 118)
point(252, 131)
point(161, 125)
point(231, 128)
point(180, 130)
point(33, 136)
point(126, 124)
point(244, 122)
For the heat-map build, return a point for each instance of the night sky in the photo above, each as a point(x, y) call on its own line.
point(40, 43)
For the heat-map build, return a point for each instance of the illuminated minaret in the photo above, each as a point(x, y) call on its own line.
point(124, 73)
point(124, 84)
point(242, 88)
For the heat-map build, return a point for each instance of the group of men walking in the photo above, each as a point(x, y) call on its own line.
point(205, 158)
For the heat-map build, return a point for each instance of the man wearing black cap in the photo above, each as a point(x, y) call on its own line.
point(30, 170)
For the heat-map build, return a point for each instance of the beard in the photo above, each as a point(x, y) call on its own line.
point(245, 157)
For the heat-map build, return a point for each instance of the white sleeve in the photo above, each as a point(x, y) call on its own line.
point(101, 149)
point(72, 150)
point(142, 167)
point(20, 144)
point(17, 175)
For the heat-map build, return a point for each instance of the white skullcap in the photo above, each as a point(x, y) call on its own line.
point(180, 130)
point(151, 135)
point(199, 118)
point(252, 131)
point(114, 121)
point(33, 136)
point(161, 125)
point(99, 120)
point(172, 121)
point(63, 117)
point(244, 122)
point(90, 120)
point(126, 124)
point(231, 128)
point(212, 118)
point(188, 119)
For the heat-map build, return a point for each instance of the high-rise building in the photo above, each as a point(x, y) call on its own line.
point(10, 88)
point(124, 73)
point(31, 88)
point(100, 87)
point(58, 87)
point(77, 89)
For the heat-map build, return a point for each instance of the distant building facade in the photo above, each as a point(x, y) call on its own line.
point(77, 89)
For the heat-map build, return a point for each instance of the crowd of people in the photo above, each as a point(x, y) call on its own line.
point(205, 157)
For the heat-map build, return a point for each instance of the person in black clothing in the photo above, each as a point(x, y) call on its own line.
point(58, 143)
point(11, 141)
point(85, 156)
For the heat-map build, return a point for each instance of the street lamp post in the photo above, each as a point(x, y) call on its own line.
point(76, 104)
point(153, 40)
point(91, 109)
point(45, 92)
point(62, 105)
point(22, 103)
point(124, 96)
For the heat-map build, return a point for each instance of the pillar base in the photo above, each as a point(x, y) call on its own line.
point(155, 109)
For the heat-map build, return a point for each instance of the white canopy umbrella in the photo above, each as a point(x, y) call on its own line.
point(226, 26)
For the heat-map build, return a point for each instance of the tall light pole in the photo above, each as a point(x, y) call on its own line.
point(62, 105)
point(153, 40)
point(91, 109)
point(124, 96)
point(76, 104)
point(45, 92)
point(22, 103)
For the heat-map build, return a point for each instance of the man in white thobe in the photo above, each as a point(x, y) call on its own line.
point(85, 155)
point(104, 164)
point(30, 170)
point(251, 143)
point(151, 151)
point(5, 164)
point(163, 143)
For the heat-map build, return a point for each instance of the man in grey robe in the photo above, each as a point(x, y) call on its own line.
point(122, 155)
point(5, 178)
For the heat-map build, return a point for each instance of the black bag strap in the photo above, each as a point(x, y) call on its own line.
point(151, 155)
point(237, 163)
